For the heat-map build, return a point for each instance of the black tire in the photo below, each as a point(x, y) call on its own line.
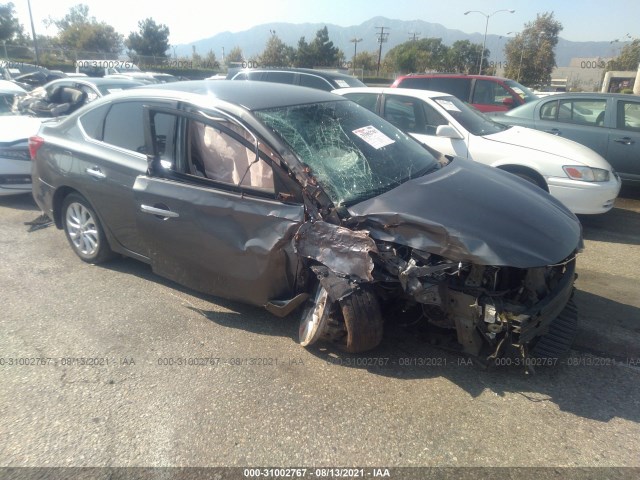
point(84, 231)
point(556, 343)
point(363, 321)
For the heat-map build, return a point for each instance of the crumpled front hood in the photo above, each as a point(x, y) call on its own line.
point(470, 212)
point(575, 152)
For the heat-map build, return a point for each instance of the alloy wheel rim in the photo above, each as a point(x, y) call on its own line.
point(82, 229)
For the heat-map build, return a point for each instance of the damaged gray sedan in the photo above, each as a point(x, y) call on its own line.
point(302, 201)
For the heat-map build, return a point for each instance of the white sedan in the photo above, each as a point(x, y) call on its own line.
point(574, 174)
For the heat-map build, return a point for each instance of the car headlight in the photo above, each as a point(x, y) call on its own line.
point(586, 174)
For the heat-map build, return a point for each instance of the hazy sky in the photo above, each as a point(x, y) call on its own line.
point(190, 20)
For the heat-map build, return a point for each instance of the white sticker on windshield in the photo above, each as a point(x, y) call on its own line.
point(342, 84)
point(448, 105)
point(373, 137)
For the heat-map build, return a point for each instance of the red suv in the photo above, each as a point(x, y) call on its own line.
point(487, 94)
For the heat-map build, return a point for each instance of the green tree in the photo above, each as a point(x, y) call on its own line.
point(234, 57)
point(320, 52)
point(366, 61)
point(276, 53)
point(629, 57)
point(530, 54)
point(463, 57)
point(79, 31)
point(10, 29)
point(303, 56)
point(150, 39)
point(418, 56)
point(323, 51)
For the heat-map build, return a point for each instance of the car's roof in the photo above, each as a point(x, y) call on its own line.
point(407, 92)
point(251, 95)
point(97, 81)
point(600, 95)
point(321, 73)
point(452, 75)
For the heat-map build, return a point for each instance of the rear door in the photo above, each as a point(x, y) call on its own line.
point(211, 214)
point(584, 120)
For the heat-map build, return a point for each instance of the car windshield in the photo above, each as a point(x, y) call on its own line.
point(474, 121)
point(524, 93)
point(353, 153)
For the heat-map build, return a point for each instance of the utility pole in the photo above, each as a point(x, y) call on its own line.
point(355, 42)
point(382, 38)
point(33, 32)
point(414, 36)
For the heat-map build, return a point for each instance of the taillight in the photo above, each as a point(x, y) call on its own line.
point(35, 143)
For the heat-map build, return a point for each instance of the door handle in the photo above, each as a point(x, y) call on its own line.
point(554, 131)
point(160, 212)
point(624, 140)
point(95, 172)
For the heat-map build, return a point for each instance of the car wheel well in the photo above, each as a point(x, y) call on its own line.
point(526, 173)
point(58, 200)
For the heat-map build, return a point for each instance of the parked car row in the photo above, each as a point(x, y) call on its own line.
point(574, 174)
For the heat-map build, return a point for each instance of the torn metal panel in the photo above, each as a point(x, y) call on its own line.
point(344, 251)
point(464, 215)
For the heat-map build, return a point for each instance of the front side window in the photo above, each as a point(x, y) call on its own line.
point(353, 153)
point(217, 152)
point(474, 121)
point(489, 93)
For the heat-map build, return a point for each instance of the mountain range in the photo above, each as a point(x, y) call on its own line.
point(253, 40)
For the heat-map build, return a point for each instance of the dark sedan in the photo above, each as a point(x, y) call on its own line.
point(608, 123)
point(286, 197)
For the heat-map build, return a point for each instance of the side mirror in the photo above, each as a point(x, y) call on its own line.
point(508, 102)
point(447, 131)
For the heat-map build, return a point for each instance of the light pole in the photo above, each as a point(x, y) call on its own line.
point(486, 27)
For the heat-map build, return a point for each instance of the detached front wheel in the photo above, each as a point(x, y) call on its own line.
point(354, 324)
point(84, 231)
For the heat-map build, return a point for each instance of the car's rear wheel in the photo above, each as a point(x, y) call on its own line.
point(354, 324)
point(84, 231)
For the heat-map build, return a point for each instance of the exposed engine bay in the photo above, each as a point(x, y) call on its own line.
point(491, 309)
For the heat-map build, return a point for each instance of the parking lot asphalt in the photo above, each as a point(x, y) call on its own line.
point(113, 366)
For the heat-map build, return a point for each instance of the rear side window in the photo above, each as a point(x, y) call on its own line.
point(582, 112)
point(314, 82)
point(124, 127)
point(92, 122)
point(458, 87)
point(279, 77)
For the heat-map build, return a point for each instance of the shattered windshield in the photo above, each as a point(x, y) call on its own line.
point(473, 120)
point(353, 153)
